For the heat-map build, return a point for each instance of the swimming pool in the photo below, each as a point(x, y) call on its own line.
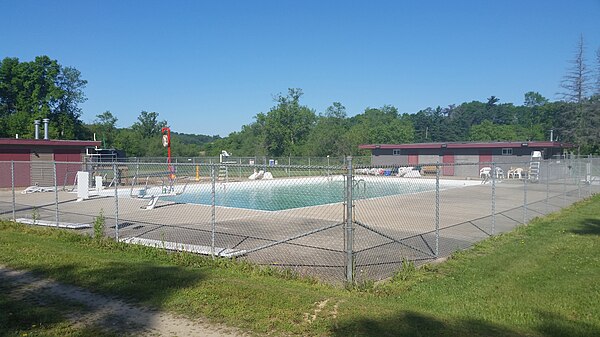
point(276, 195)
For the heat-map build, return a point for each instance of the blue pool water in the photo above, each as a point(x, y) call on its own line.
point(280, 195)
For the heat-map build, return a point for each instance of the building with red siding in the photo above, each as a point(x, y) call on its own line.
point(33, 160)
point(501, 153)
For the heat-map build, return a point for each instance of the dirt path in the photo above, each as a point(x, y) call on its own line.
point(110, 313)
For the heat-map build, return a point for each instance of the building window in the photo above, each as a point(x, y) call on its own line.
point(507, 151)
point(396, 152)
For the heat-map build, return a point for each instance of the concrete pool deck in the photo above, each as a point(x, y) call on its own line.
point(310, 240)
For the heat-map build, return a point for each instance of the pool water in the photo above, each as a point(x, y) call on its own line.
point(275, 195)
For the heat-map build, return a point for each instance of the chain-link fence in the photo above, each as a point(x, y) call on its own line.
point(337, 220)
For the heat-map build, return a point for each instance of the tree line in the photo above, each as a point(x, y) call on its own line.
point(291, 129)
point(45, 89)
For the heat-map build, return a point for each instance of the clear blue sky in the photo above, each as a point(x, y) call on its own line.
point(209, 67)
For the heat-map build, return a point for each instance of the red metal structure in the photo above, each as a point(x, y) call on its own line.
point(166, 132)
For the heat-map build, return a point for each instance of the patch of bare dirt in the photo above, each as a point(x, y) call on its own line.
point(109, 313)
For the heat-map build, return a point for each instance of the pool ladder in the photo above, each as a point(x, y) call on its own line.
point(356, 186)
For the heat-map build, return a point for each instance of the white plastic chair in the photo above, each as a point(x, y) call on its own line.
point(485, 172)
point(515, 172)
point(499, 173)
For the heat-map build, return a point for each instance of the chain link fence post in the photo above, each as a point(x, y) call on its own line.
point(213, 181)
point(547, 186)
point(55, 194)
point(349, 233)
point(493, 198)
point(578, 177)
point(116, 180)
point(14, 200)
point(565, 173)
point(437, 209)
point(589, 174)
point(525, 179)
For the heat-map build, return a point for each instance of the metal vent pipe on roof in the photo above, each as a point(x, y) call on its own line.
point(46, 121)
point(37, 128)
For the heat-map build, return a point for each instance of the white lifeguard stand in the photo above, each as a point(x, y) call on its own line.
point(223, 171)
point(223, 156)
point(534, 165)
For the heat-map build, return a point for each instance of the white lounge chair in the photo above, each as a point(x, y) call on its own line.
point(485, 172)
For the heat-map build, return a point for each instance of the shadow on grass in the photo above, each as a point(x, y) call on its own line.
point(140, 281)
point(416, 324)
point(32, 313)
point(15, 315)
point(588, 227)
point(554, 325)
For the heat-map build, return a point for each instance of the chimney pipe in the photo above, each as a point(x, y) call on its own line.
point(37, 128)
point(46, 121)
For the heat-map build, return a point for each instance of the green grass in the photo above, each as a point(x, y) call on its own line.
point(40, 315)
point(540, 280)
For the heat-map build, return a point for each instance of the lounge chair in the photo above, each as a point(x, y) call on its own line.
point(514, 172)
point(485, 172)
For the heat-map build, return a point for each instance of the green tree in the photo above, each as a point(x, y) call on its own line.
point(40, 89)
point(327, 137)
point(287, 125)
point(591, 136)
point(429, 124)
point(66, 115)
point(105, 126)
point(131, 142)
point(148, 124)
point(534, 99)
point(380, 126)
point(488, 131)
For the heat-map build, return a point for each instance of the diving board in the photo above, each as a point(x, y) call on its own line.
point(52, 223)
point(183, 247)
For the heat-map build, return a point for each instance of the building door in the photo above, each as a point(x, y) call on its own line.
point(413, 159)
point(21, 172)
point(485, 159)
point(68, 162)
point(448, 159)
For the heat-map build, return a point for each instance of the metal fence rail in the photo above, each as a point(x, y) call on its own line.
point(339, 221)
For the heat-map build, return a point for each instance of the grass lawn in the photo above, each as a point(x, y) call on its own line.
point(40, 315)
point(539, 280)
